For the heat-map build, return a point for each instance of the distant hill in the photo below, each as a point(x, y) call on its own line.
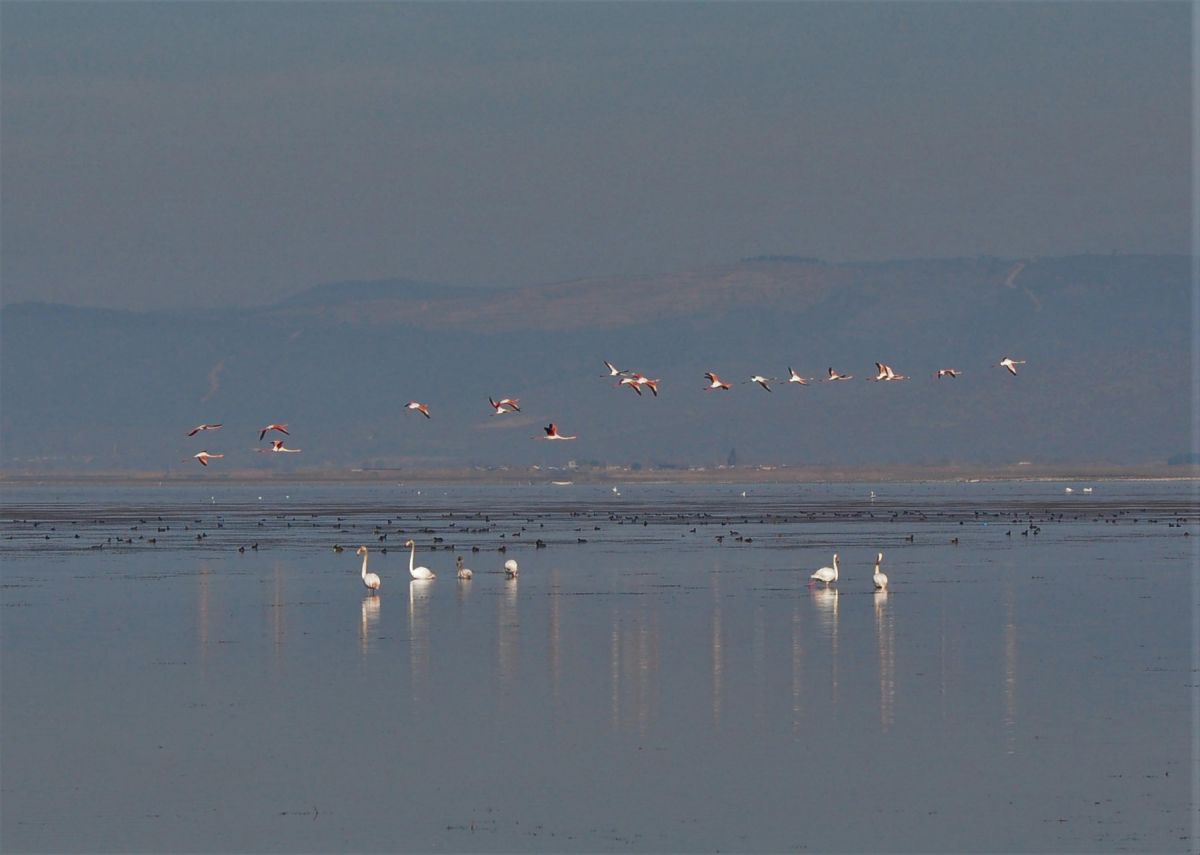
point(1106, 339)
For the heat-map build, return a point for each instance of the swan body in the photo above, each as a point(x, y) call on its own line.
point(463, 572)
point(511, 569)
point(417, 572)
point(879, 577)
point(827, 574)
point(371, 580)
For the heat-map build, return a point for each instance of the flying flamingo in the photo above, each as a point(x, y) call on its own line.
point(793, 377)
point(947, 372)
point(420, 408)
point(714, 382)
point(371, 580)
point(886, 372)
point(281, 428)
point(552, 433)
point(277, 445)
point(504, 405)
point(833, 375)
point(1011, 364)
point(205, 426)
point(204, 457)
point(761, 381)
point(636, 381)
point(417, 572)
point(614, 371)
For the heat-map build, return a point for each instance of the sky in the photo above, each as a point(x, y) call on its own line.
point(170, 155)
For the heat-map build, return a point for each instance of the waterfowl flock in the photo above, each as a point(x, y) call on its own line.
point(634, 380)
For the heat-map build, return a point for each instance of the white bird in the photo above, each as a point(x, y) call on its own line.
point(278, 446)
point(463, 572)
point(761, 381)
point(947, 372)
point(511, 569)
point(714, 382)
point(1011, 364)
point(793, 377)
point(371, 580)
point(504, 405)
point(833, 375)
point(552, 433)
point(827, 574)
point(204, 457)
point(879, 577)
point(886, 372)
point(419, 407)
point(417, 572)
point(204, 426)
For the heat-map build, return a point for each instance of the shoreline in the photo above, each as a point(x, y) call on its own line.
point(582, 477)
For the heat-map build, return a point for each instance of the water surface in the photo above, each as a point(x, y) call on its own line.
point(196, 668)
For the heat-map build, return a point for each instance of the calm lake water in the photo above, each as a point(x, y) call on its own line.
point(660, 676)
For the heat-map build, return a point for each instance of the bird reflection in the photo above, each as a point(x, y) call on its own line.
point(797, 671)
point(1010, 672)
point(826, 601)
point(509, 632)
point(718, 653)
point(370, 616)
point(634, 666)
point(418, 631)
point(278, 614)
point(885, 640)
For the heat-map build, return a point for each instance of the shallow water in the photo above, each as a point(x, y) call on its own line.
point(653, 688)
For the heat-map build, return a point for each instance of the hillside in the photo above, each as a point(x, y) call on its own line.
point(1106, 339)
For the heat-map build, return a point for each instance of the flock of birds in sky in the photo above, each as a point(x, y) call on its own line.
point(631, 379)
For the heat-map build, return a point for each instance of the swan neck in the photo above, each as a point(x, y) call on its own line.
point(412, 557)
point(364, 567)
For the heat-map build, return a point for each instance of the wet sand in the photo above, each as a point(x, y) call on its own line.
point(196, 668)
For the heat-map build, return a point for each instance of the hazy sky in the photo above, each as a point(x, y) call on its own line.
point(170, 154)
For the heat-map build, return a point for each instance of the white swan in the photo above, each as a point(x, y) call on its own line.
point(880, 578)
point(827, 574)
point(371, 580)
point(417, 572)
point(511, 569)
point(463, 572)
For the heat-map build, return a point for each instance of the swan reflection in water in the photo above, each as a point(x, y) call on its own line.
point(419, 591)
point(508, 627)
point(826, 602)
point(885, 640)
point(369, 619)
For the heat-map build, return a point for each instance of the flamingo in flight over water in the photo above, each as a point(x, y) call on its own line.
point(761, 381)
point(281, 428)
point(614, 371)
point(204, 426)
point(504, 405)
point(204, 457)
point(1011, 364)
point(886, 372)
point(793, 377)
point(947, 372)
point(636, 381)
point(277, 445)
point(833, 375)
point(552, 433)
point(714, 382)
point(419, 407)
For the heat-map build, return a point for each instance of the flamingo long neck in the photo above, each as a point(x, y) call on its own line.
point(364, 567)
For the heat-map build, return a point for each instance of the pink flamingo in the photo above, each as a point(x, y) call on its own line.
point(714, 382)
point(205, 426)
point(420, 408)
point(281, 428)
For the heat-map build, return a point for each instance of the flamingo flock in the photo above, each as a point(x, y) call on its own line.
point(634, 380)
